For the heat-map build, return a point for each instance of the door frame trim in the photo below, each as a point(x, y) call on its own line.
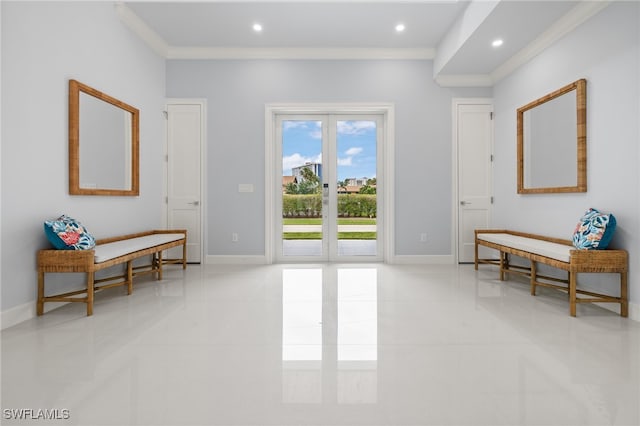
point(202, 102)
point(455, 196)
point(387, 110)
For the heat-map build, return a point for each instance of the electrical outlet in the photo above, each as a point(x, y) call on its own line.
point(234, 237)
point(423, 237)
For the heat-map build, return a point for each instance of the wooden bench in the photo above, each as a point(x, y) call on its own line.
point(560, 254)
point(109, 252)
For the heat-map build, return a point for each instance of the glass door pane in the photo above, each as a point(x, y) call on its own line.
point(329, 188)
point(356, 172)
point(303, 227)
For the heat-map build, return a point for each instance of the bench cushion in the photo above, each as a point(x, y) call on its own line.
point(561, 252)
point(104, 252)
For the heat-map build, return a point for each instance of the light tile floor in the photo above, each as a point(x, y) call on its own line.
point(314, 247)
point(329, 344)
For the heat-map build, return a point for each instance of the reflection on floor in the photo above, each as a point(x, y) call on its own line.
point(324, 344)
point(314, 247)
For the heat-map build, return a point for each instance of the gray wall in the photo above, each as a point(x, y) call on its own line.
point(43, 46)
point(236, 93)
point(609, 60)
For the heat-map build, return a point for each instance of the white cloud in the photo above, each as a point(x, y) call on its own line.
point(286, 125)
point(355, 127)
point(346, 161)
point(314, 127)
point(296, 160)
point(316, 134)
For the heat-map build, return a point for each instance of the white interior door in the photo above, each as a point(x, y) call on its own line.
point(324, 215)
point(474, 147)
point(185, 142)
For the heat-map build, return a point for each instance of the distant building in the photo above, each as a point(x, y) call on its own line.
point(286, 180)
point(353, 185)
point(356, 181)
point(349, 189)
point(316, 168)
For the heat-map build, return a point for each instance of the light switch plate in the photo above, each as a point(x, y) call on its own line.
point(245, 187)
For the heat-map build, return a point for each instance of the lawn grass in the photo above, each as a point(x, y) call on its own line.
point(341, 221)
point(302, 235)
point(357, 221)
point(357, 235)
point(318, 236)
point(302, 221)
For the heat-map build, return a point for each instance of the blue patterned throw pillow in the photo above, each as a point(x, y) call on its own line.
point(594, 230)
point(66, 233)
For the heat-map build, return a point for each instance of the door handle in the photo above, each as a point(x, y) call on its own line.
point(194, 203)
point(464, 203)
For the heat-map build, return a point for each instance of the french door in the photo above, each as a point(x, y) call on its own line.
point(329, 187)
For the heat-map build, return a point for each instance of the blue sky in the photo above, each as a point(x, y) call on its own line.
point(356, 147)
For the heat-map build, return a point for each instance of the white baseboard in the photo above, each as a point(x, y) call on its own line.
point(236, 260)
point(18, 314)
point(634, 311)
point(25, 312)
point(422, 260)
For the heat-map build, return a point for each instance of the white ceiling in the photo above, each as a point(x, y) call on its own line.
point(456, 34)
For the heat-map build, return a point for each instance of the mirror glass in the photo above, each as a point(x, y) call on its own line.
point(103, 143)
point(552, 142)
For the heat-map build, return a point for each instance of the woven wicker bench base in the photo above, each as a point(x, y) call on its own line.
point(579, 261)
point(63, 261)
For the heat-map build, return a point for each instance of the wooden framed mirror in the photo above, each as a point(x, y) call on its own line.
point(103, 143)
point(552, 142)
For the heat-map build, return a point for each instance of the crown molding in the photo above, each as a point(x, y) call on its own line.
point(570, 21)
point(296, 53)
point(138, 26)
point(162, 48)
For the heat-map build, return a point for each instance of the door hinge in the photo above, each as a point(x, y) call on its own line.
point(492, 199)
point(491, 115)
point(491, 158)
point(166, 200)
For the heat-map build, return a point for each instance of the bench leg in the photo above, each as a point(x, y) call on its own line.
point(476, 256)
point(90, 292)
point(130, 277)
point(502, 262)
point(533, 278)
point(40, 303)
point(572, 293)
point(184, 257)
point(624, 300)
point(159, 265)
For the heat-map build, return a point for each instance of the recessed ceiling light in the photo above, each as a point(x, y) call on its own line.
point(257, 27)
point(400, 28)
point(497, 42)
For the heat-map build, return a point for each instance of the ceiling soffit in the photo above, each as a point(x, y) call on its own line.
point(458, 58)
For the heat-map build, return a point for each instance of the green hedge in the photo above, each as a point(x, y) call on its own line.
point(310, 205)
